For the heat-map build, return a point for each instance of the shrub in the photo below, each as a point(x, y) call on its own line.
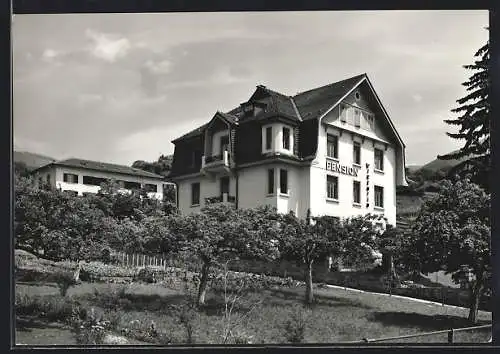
point(147, 275)
point(295, 326)
point(52, 308)
point(64, 282)
point(90, 330)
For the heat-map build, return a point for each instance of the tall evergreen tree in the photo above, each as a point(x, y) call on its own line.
point(474, 123)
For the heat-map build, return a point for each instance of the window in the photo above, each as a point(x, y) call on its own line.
point(379, 159)
point(93, 181)
point(195, 156)
point(379, 196)
point(356, 158)
point(224, 144)
point(195, 194)
point(286, 138)
point(151, 188)
point(48, 179)
point(270, 181)
point(369, 120)
point(284, 181)
point(224, 185)
point(356, 190)
point(332, 146)
point(332, 187)
point(269, 137)
point(357, 96)
point(70, 178)
point(357, 118)
point(131, 185)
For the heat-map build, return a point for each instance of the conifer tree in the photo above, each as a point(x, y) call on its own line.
point(474, 123)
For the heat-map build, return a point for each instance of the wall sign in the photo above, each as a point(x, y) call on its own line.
point(367, 185)
point(346, 170)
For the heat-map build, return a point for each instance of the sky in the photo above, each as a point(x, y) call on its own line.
point(120, 87)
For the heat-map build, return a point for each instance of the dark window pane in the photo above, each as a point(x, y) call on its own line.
point(356, 192)
point(284, 181)
point(269, 137)
point(94, 181)
point(286, 138)
point(332, 146)
point(357, 153)
point(195, 194)
point(152, 188)
point(270, 181)
point(332, 191)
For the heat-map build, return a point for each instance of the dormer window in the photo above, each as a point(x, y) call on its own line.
point(248, 109)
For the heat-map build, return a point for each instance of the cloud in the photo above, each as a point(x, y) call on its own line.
point(162, 67)
point(417, 98)
point(108, 47)
point(50, 56)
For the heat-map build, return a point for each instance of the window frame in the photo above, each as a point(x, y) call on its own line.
point(358, 155)
point(270, 181)
point(72, 175)
point(358, 194)
point(284, 173)
point(332, 180)
point(336, 146)
point(286, 142)
point(197, 184)
point(269, 138)
point(378, 190)
point(375, 150)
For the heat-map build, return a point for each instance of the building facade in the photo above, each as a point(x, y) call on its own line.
point(83, 176)
point(332, 150)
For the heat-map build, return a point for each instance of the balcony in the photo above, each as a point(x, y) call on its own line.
point(216, 163)
point(224, 198)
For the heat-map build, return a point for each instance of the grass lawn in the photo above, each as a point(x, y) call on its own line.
point(337, 316)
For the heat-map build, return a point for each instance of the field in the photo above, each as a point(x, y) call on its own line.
point(270, 316)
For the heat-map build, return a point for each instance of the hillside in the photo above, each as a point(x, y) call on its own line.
point(442, 165)
point(31, 160)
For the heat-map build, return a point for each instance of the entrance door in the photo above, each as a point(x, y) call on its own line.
point(224, 144)
point(224, 185)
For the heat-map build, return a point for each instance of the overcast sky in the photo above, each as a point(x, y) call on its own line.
point(119, 87)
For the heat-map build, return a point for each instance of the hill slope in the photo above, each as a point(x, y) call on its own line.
point(444, 165)
point(31, 160)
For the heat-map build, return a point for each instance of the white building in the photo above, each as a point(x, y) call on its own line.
point(333, 150)
point(84, 176)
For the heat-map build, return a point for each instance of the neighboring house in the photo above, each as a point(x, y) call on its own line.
point(333, 150)
point(82, 176)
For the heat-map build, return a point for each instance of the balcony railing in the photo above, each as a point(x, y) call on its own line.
point(224, 198)
point(216, 161)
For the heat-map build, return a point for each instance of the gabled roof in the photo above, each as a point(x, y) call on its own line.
point(103, 167)
point(303, 106)
point(313, 103)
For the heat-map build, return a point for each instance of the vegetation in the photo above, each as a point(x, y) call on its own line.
point(452, 233)
point(474, 122)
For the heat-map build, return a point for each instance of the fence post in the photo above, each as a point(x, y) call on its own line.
point(450, 336)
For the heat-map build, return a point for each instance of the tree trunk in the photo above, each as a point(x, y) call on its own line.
point(309, 284)
point(477, 292)
point(202, 289)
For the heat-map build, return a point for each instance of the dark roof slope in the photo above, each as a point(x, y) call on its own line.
point(313, 103)
point(310, 104)
point(104, 167)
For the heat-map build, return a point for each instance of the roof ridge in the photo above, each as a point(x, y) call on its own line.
point(330, 84)
point(295, 108)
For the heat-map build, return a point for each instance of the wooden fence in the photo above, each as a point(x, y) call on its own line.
point(449, 332)
point(141, 260)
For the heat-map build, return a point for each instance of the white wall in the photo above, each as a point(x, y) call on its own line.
point(57, 178)
point(344, 207)
point(209, 187)
point(253, 187)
